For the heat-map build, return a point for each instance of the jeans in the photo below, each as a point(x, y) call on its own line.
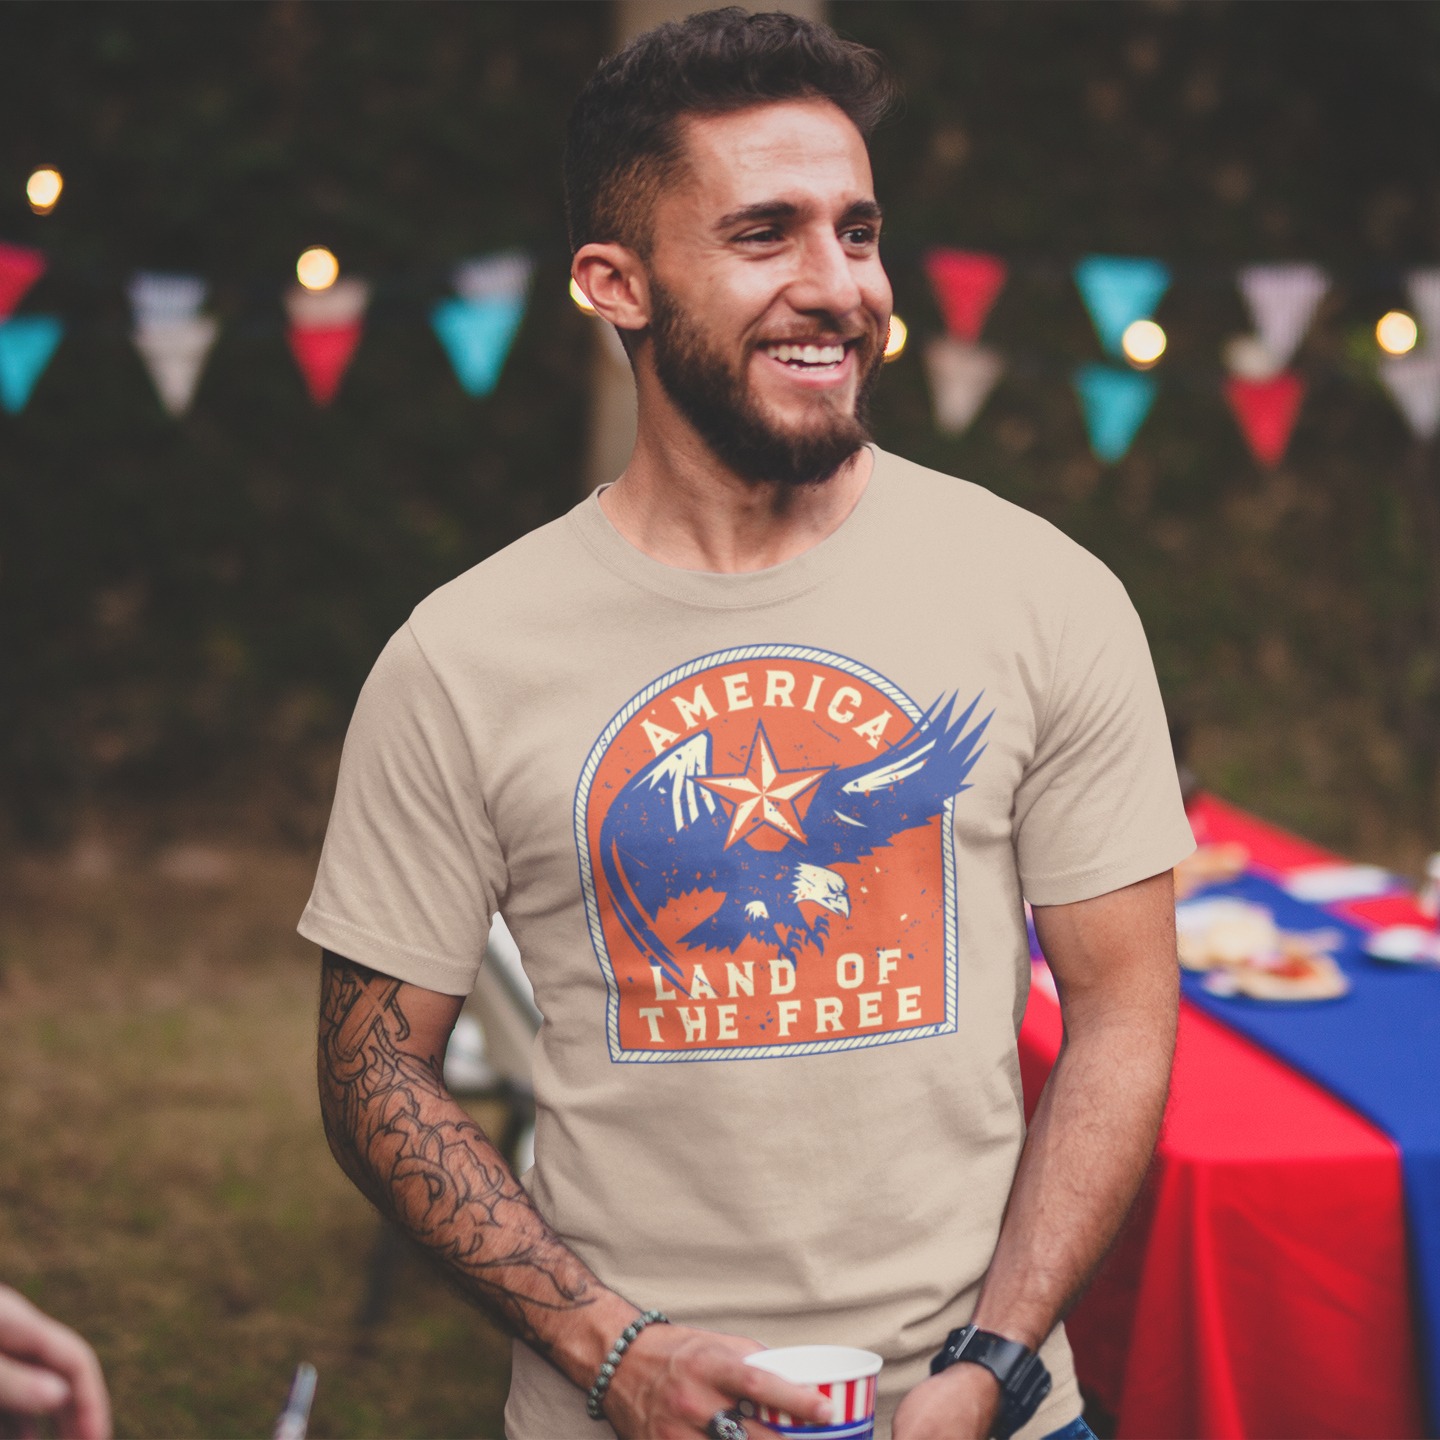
point(1077, 1429)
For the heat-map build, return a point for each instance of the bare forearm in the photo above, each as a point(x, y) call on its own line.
point(399, 1135)
point(1094, 1130)
point(1084, 1160)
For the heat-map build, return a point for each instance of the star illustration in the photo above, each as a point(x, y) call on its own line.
point(763, 794)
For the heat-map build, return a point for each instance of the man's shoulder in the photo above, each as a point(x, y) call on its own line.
point(976, 526)
point(516, 580)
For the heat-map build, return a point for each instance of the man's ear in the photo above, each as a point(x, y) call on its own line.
point(613, 279)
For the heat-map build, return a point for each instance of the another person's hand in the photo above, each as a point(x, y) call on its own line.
point(960, 1403)
point(47, 1369)
point(674, 1379)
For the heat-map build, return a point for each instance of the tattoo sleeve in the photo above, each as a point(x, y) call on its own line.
point(400, 1136)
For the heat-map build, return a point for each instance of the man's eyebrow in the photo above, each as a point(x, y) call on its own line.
point(763, 210)
point(788, 210)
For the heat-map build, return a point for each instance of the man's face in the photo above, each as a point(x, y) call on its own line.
point(769, 306)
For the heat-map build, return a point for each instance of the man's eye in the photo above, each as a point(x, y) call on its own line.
point(761, 237)
point(860, 235)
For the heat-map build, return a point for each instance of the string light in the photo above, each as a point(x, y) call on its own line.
point(895, 340)
point(1397, 333)
point(43, 189)
point(317, 268)
point(582, 301)
point(1143, 343)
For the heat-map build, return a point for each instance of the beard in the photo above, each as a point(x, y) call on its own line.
point(716, 399)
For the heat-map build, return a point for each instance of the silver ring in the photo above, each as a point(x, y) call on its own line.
point(725, 1425)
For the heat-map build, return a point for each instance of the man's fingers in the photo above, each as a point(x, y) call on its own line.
point(31, 1345)
point(87, 1417)
point(30, 1389)
point(750, 1382)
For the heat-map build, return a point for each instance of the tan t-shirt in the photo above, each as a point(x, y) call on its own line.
point(763, 841)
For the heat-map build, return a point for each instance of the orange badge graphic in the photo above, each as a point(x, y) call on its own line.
point(766, 854)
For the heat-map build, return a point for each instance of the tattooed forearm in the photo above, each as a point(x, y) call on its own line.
point(399, 1135)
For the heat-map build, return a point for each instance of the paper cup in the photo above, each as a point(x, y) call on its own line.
point(846, 1376)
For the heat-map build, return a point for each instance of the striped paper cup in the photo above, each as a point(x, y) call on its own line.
point(845, 1376)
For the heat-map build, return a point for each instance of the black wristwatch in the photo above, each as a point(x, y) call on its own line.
point(1024, 1380)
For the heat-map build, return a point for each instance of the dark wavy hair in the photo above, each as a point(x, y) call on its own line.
point(622, 142)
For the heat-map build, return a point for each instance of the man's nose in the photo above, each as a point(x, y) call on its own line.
point(826, 281)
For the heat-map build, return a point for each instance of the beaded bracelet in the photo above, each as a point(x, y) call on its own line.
point(596, 1396)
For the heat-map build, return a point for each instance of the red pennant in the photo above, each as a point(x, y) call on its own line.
point(323, 355)
point(1266, 411)
point(19, 270)
point(965, 284)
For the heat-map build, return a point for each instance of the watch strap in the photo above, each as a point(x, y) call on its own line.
point(1024, 1381)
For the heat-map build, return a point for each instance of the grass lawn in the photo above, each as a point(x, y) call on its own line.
point(165, 1185)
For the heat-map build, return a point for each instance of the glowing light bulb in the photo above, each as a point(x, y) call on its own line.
point(317, 268)
point(582, 301)
point(1397, 333)
point(895, 340)
point(1143, 343)
point(43, 189)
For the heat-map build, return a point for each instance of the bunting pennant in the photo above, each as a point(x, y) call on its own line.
point(174, 352)
point(19, 270)
point(1115, 403)
point(173, 338)
point(477, 335)
point(1117, 291)
point(1249, 357)
point(325, 328)
point(157, 299)
point(1424, 290)
point(26, 344)
point(961, 378)
point(1283, 300)
point(1414, 385)
point(1266, 411)
point(505, 275)
point(478, 328)
point(966, 284)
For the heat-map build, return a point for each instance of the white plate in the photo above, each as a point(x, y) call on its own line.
point(1404, 945)
point(1325, 884)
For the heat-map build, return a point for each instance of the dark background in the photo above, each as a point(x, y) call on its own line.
point(189, 608)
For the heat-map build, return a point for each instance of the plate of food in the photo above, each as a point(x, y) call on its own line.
point(1209, 865)
point(1241, 951)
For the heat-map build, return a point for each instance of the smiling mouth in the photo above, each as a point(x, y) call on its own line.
point(811, 358)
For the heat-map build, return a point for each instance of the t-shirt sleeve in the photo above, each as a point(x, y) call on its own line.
point(1099, 805)
point(411, 870)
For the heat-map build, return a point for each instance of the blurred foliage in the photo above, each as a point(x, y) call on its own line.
point(174, 596)
point(1294, 614)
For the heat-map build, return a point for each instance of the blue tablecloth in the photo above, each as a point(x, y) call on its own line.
point(1378, 1050)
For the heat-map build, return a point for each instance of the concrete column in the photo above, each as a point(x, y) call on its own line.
point(612, 399)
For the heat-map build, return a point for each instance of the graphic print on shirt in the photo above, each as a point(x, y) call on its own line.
point(765, 851)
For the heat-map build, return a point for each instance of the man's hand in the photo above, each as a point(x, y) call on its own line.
point(960, 1403)
point(674, 1378)
point(47, 1369)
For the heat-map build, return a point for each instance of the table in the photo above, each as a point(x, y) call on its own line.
point(1261, 1287)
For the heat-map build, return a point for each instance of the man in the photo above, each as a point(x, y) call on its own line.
point(759, 751)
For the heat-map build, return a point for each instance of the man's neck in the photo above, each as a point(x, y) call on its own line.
point(681, 505)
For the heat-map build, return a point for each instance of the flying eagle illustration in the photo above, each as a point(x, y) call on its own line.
point(677, 828)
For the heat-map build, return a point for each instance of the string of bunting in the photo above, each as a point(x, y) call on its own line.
point(477, 326)
point(1121, 294)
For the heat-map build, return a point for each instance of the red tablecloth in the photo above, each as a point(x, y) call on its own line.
point(1261, 1286)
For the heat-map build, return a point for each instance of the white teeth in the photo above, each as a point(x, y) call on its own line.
point(806, 354)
